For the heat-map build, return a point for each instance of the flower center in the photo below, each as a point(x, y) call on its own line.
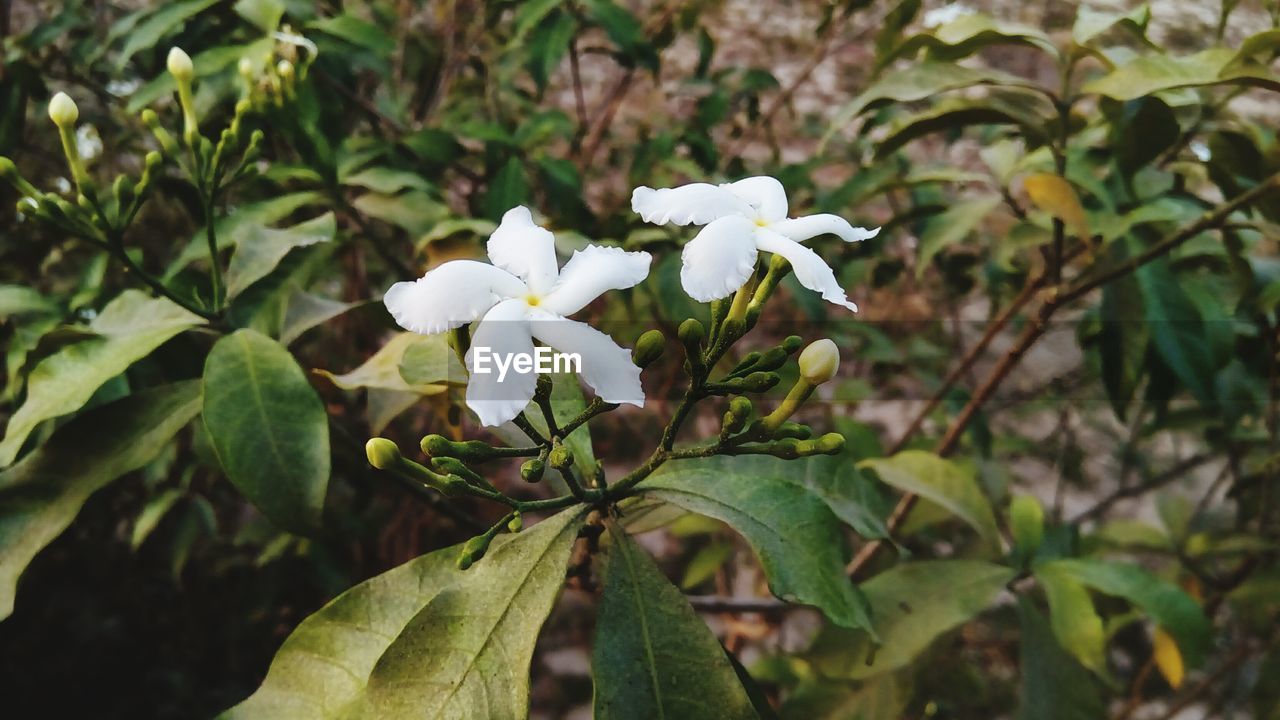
point(761, 222)
point(532, 300)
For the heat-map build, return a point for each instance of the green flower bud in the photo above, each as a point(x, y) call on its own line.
point(285, 69)
point(773, 359)
point(648, 348)
point(830, 444)
point(1026, 521)
point(8, 170)
point(792, 344)
point(63, 111)
point(691, 333)
point(735, 418)
point(560, 458)
point(454, 466)
point(123, 191)
point(382, 453)
point(531, 471)
point(819, 361)
point(473, 550)
point(760, 381)
point(793, 430)
point(516, 524)
point(180, 65)
point(748, 362)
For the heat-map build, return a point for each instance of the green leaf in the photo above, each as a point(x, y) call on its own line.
point(154, 27)
point(1177, 329)
point(791, 530)
point(238, 222)
point(884, 697)
point(1054, 685)
point(653, 656)
point(325, 662)
point(509, 188)
point(1170, 607)
point(152, 513)
point(467, 652)
point(265, 14)
point(942, 482)
point(268, 427)
point(1123, 341)
point(548, 45)
point(1074, 620)
point(388, 181)
point(705, 563)
point(968, 34)
point(20, 300)
point(912, 604)
point(1157, 72)
point(357, 32)
point(304, 310)
point(259, 249)
point(1091, 23)
point(129, 328)
point(1025, 109)
point(386, 369)
point(952, 226)
point(924, 80)
point(40, 496)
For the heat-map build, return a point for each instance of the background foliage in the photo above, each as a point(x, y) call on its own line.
point(1060, 400)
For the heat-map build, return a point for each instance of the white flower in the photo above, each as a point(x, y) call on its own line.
point(946, 14)
point(523, 296)
point(742, 218)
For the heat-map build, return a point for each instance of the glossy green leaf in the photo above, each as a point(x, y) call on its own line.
point(792, 531)
point(260, 249)
point(268, 427)
point(1156, 72)
point(467, 652)
point(324, 664)
point(265, 14)
point(152, 513)
point(1091, 23)
point(653, 656)
point(240, 221)
point(912, 604)
point(128, 329)
point(1054, 685)
point(357, 32)
point(1027, 110)
point(304, 310)
point(42, 494)
point(1166, 603)
point(943, 482)
point(1073, 618)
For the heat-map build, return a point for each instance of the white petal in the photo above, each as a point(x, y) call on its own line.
point(763, 193)
point(719, 259)
point(606, 367)
point(523, 248)
point(503, 333)
point(692, 204)
point(590, 272)
point(803, 228)
point(810, 269)
point(451, 295)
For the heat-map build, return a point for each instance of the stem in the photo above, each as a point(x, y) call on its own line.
point(215, 269)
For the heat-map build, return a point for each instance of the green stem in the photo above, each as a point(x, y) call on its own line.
point(215, 271)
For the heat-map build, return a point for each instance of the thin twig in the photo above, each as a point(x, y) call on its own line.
point(721, 604)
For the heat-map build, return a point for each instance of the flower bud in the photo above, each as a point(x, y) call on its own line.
point(454, 466)
point(473, 550)
point(760, 381)
point(792, 344)
point(691, 333)
point(285, 69)
point(516, 524)
point(793, 430)
point(180, 65)
point(245, 68)
point(735, 418)
point(819, 361)
point(531, 471)
point(830, 444)
point(648, 348)
point(63, 111)
point(560, 458)
point(8, 171)
point(382, 453)
point(1026, 522)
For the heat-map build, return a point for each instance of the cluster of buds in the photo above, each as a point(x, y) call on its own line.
point(89, 215)
point(272, 81)
point(779, 437)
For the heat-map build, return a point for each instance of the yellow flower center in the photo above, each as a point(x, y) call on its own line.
point(532, 300)
point(760, 222)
